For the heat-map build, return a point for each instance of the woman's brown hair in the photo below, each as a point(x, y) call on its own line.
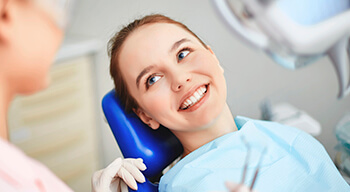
point(114, 48)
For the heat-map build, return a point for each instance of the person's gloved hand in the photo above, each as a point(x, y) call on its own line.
point(118, 175)
point(236, 187)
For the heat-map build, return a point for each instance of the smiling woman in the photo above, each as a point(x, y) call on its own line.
point(115, 47)
point(183, 86)
point(165, 74)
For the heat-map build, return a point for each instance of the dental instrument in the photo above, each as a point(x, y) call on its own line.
point(246, 163)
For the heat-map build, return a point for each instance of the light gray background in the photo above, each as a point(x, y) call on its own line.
point(251, 75)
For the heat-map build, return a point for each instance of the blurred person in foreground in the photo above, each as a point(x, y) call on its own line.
point(31, 32)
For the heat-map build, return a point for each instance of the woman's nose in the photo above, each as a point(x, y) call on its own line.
point(180, 81)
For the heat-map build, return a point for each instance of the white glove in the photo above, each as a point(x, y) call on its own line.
point(236, 187)
point(117, 175)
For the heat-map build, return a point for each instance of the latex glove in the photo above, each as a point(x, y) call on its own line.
point(236, 187)
point(118, 175)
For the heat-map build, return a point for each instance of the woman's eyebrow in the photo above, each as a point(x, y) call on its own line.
point(177, 44)
point(143, 72)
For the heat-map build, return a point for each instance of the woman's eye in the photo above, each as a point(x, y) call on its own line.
point(151, 80)
point(182, 54)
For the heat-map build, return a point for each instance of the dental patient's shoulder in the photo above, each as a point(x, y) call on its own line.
point(271, 129)
point(292, 135)
point(263, 124)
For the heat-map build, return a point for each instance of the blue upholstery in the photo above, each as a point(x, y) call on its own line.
point(158, 148)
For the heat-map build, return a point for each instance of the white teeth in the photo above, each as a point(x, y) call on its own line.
point(197, 95)
point(193, 99)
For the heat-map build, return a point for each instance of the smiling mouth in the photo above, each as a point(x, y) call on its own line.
point(194, 98)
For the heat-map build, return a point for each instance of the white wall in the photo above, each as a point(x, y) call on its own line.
point(251, 75)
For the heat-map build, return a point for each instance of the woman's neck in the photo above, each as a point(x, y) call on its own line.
point(5, 99)
point(193, 140)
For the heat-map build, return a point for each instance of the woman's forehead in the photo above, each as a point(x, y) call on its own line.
point(149, 44)
point(152, 41)
point(158, 34)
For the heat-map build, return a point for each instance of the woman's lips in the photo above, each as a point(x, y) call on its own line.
point(195, 98)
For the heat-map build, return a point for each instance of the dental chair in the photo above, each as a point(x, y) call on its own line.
point(157, 148)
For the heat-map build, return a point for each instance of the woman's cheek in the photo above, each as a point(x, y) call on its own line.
point(203, 63)
point(158, 102)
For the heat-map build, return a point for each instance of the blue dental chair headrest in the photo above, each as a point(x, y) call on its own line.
point(157, 148)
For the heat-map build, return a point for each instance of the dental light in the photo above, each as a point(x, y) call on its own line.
point(294, 33)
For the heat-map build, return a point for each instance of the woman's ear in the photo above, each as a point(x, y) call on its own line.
point(4, 19)
point(3, 4)
point(212, 52)
point(145, 118)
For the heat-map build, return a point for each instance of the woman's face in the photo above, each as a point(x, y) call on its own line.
point(176, 81)
point(34, 40)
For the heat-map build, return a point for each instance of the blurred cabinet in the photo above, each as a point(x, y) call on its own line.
point(57, 126)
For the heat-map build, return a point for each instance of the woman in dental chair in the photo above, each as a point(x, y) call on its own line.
point(165, 74)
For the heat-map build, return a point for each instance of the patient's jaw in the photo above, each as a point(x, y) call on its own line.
point(176, 81)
